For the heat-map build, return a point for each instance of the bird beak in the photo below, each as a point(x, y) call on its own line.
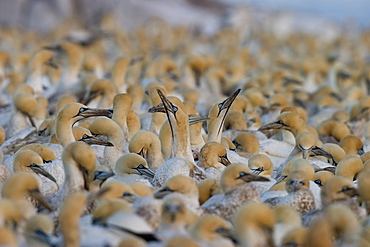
point(227, 233)
point(194, 120)
point(295, 184)
point(226, 104)
point(145, 172)
point(40, 170)
point(90, 96)
point(157, 108)
point(85, 174)
point(258, 171)
point(42, 236)
point(136, 60)
point(159, 194)
point(168, 106)
point(42, 132)
point(351, 192)
point(274, 126)
point(131, 198)
point(249, 177)
point(224, 160)
point(306, 152)
point(317, 151)
point(52, 64)
point(40, 197)
point(103, 175)
point(31, 120)
point(56, 48)
point(94, 112)
point(282, 178)
point(93, 140)
point(97, 222)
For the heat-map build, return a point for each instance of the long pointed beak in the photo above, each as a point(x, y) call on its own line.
point(258, 171)
point(317, 151)
point(296, 185)
point(224, 160)
point(227, 233)
point(157, 108)
point(250, 177)
point(226, 104)
point(40, 197)
point(361, 151)
point(130, 198)
point(281, 179)
point(168, 106)
point(93, 140)
point(351, 192)
point(42, 132)
point(31, 120)
point(56, 48)
point(52, 64)
point(48, 239)
point(145, 172)
point(94, 112)
point(194, 120)
point(103, 175)
point(90, 96)
point(159, 194)
point(136, 60)
point(40, 170)
point(85, 174)
point(306, 152)
point(274, 126)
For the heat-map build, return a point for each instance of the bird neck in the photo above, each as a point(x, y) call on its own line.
point(64, 131)
point(180, 136)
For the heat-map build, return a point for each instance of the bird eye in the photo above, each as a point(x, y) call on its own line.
point(175, 109)
point(279, 122)
point(140, 166)
point(345, 188)
point(318, 181)
point(85, 136)
point(82, 109)
point(127, 194)
point(33, 165)
point(166, 189)
point(302, 182)
point(291, 181)
point(252, 120)
point(242, 174)
point(220, 105)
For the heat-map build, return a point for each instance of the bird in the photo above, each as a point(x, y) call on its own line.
point(336, 190)
point(29, 161)
point(39, 231)
point(130, 168)
point(254, 224)
point(182, 185)
point(79, 164)
point(236, 187)
point(261, 165)
point(299, 196)
point(217, 116)
point(109, 128)
point(212, 230)
point(147, 144)
point(20, 185)
point(213, 159)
